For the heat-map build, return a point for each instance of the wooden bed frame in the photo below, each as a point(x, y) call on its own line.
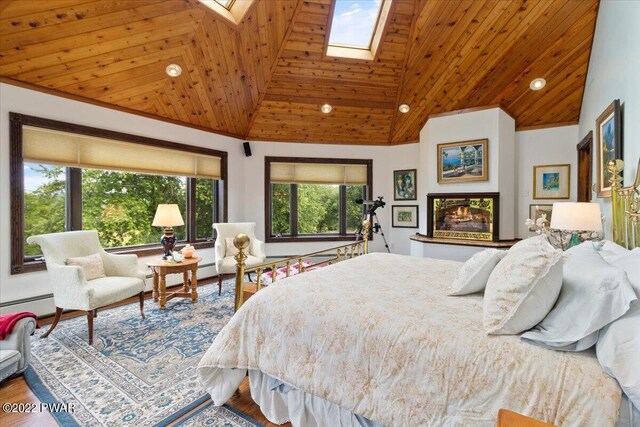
point(244, 290)
point(625, 207)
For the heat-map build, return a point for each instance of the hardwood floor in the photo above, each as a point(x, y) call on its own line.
point(17, 391)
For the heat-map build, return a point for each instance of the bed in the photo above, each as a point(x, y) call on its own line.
point(376, 340)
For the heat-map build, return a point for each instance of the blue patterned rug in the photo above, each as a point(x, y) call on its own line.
point(139, 372)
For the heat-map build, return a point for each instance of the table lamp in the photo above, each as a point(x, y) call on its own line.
point(574, 217)
point(167, 216)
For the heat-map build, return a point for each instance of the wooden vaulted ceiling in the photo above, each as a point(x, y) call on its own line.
point(266, 78)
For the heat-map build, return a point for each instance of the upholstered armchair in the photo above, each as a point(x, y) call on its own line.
point(72, 290)
point(225, 251)
point(15, 348)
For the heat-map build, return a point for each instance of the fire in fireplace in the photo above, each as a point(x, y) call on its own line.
point(468, 216)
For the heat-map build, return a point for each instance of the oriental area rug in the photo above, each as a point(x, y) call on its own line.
point(139, 372)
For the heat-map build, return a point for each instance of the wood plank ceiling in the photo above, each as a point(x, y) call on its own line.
point(266, 78)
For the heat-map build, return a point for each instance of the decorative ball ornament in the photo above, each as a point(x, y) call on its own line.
point(241, 241)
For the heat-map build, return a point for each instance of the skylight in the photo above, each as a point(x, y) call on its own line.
point(354, 23)
point(225, 3)
point(231, 10)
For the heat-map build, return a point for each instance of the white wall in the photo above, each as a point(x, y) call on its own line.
point(493, 124)
point(246, 176)
point(614, 73)
point(542, 147)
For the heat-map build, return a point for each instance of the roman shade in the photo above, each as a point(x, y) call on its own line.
point(319, 173)
point(41, 145)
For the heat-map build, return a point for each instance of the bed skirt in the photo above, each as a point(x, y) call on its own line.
point(281, 403)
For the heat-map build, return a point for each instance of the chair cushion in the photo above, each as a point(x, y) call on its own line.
point(229, 264)
point(107, 290)
point(92, 265)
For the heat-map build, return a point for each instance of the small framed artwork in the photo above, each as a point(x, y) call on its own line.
point(404, 184)
point(608, 146)
point(536, 211)
point(464, 161)
point(551, 181)
point(404, 216)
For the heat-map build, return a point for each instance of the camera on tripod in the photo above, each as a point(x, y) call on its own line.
point(371, 214)
point(373, 204)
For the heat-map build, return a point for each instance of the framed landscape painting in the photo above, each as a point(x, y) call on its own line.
point(404, 184)
point(404, 216)
point(536, 211)
point(551, 181)
point(463, 161)
point(608, 146)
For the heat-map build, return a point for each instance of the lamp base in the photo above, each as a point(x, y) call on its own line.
point(168, 241)
point(575, 241)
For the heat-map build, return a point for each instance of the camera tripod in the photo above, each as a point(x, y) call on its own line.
point(375, 228)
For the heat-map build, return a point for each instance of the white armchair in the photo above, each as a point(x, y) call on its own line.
point(71, 289)
point(226, 264)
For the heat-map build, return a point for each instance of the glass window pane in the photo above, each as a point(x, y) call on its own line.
point(355, 211)
point(318, 209)
point(354, 22)
point(121, 205)
point(205, 205)
point(280, 209)
point(44, 202)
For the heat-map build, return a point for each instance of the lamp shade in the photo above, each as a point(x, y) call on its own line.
point(576, 216)
point(167, 216)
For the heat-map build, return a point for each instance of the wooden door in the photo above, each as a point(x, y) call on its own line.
point(585, 167)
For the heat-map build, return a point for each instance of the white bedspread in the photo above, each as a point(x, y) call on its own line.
point(378, 336)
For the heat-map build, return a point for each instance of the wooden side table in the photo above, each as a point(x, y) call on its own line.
point(160, 270)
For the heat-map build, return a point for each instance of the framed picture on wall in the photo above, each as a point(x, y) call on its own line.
point(404, 216)
point(536, 211)
point(464, 161)
point(404, 184)
point(551, 181)
point(608, 146)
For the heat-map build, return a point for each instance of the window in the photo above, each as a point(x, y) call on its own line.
point(231, 10)
point(354, 22)
point(315, 199)
point(45, 194)
point(357, 27)
point(69, 177)
point(225, 3)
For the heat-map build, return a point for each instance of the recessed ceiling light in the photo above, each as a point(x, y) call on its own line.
point(173, 70)
point(537, 84)
point(403, 108)
point(326, 108)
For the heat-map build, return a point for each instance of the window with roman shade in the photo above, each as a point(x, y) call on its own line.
point(71, 177)
point(53, 147)
point(315, 198)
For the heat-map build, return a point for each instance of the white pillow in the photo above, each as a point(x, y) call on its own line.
point(475, 272)
point(618, 346)
point(611, 251)
point(523, 287)
point(593, 295)
point(92, 265)
point(230, 249)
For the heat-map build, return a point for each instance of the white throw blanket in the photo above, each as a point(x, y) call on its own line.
point(377, 335)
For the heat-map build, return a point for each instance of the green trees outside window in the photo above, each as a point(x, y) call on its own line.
point(119, 205)
point(44, 202)
point(315, 209)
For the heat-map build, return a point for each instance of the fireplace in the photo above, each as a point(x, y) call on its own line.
point(466, 216)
